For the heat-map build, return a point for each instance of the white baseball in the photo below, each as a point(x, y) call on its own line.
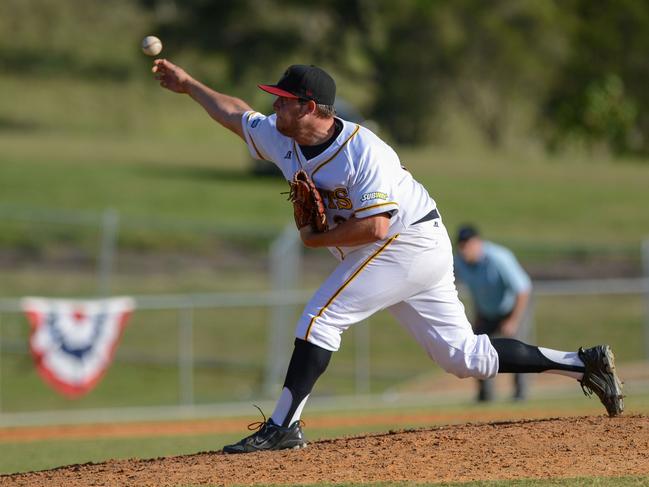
point(151, 46)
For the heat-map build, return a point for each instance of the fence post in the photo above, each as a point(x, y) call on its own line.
point(645, 265)
point(529, 332)
point(109, 231)
point(362, 357)
point(285, 261)
point(186, 356)
point(0, 365)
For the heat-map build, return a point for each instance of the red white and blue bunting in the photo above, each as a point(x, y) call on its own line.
point(73, 341)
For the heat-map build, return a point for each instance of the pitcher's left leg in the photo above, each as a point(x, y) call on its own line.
point(442, 329)
point(594, 368)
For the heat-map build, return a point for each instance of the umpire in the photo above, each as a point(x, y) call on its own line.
point(500, 290)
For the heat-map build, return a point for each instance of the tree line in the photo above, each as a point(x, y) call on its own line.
point(576, 68)
point(579, 65)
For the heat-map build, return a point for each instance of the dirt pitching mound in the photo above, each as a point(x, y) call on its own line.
point(558, 447)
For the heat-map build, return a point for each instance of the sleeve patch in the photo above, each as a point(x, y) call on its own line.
point(374, 195)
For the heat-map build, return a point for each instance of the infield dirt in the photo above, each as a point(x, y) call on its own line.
point(543, 448)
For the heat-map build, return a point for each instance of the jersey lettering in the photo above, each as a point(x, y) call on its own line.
point(338, 199)
point(342, 199)
point(329, 196)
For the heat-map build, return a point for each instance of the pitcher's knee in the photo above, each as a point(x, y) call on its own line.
point(480, 360)
point(463, 366)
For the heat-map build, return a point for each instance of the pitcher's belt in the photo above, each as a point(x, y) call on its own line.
point(431, 215)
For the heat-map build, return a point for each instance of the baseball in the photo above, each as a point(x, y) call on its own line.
point(151, 45)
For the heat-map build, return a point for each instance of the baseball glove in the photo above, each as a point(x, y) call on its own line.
point(308, 207)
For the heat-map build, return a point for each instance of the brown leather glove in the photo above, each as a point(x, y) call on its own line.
point(308, 207)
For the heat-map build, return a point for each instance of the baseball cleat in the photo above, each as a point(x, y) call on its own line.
point(601, 378)
point(270, 436)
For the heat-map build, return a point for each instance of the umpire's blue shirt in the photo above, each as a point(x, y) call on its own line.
point(494, 281)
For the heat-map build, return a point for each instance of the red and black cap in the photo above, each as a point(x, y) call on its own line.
point(305, 82)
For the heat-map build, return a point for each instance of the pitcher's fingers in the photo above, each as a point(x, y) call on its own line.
point(158, 65)
point(158, 68)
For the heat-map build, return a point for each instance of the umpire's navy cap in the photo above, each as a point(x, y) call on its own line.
point(466, 232)
point(305, 82)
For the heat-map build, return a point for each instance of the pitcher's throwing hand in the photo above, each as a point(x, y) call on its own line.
point(170, 76)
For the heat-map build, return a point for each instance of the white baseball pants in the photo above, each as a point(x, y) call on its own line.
point(411, 275)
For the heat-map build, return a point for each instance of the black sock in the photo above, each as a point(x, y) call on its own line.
point(515, 356)
point(308, 362)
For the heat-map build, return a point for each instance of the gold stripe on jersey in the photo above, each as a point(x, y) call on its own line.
point(340, 251)
point(297, 155)
point(346, 283)
point(358, 127)
point(259, 154)
point(375, 206)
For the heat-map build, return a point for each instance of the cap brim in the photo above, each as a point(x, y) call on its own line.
point(274, 90)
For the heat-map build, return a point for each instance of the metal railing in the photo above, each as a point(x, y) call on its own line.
point(187, 305)
point(285, 256)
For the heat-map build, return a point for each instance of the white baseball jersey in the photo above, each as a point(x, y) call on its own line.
point(409, 273)
point(358, 175)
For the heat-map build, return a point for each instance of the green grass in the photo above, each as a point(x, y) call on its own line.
point(182, 185)
point(214, 195)
point(148, 152)
point(577, 204)
point(167, 278)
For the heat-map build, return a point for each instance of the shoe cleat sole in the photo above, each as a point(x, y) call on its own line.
point(609, 361)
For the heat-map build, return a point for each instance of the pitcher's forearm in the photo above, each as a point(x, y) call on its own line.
point(355, 231)
point(226, 110)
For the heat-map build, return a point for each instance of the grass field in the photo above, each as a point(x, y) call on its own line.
point(181, 184)
point(147, 152)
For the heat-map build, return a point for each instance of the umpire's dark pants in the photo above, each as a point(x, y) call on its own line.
point(491, 327)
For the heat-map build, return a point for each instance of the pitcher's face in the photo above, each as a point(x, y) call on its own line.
point(289, 113)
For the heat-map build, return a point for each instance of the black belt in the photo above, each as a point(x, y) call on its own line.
point(432, 215)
